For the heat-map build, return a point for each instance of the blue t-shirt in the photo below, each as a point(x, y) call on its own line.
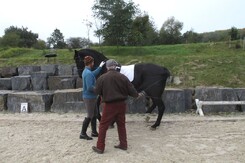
point(89, 80)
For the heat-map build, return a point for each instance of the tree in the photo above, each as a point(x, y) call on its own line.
point(77, 42)
point(170, 32)
point(11, 39)
point(41, 44)
point(89, 26)
point(98, 25)
point(56, 40)
point(19, 37)
point(117, 18)
point(242, 33)
point(143, 31)
point(233, 33)
point(191, 37)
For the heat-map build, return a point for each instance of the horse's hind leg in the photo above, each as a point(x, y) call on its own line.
point(152, 107)
point(161, 108)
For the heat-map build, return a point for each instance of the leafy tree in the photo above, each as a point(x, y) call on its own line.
point(98, 25)
point(56, 40)
point(10, 39)
point(143, 32)
point(233, 33)
point(77, 42)
point(219, 35)
point(117, 18)
point(191, 37)
point(19, 37)
point(41, 44)
point(242, 33)
point(170, 32)
point(28, 39)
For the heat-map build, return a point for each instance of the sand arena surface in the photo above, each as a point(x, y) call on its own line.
point(50, 137)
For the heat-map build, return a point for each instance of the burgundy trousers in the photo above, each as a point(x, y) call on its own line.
point(114, 111)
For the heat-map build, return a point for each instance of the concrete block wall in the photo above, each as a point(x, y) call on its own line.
point(57, 88)
point(34, 78)
point(70, 100)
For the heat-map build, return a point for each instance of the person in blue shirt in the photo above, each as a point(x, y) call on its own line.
point(89, 96)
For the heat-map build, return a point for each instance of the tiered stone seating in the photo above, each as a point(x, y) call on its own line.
point(57, 88)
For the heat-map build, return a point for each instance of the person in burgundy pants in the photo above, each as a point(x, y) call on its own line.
point(114, 88)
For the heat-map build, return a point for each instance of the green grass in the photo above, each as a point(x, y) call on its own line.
point(202, 64)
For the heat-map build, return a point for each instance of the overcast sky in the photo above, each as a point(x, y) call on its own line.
point(44, 16)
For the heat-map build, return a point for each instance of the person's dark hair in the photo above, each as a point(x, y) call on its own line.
point(87, 60)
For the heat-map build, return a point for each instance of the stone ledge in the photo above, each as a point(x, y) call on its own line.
point(70, 100)
point(37, 101)
point(3, 99)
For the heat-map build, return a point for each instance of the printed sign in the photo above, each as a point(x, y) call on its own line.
point(24, 107)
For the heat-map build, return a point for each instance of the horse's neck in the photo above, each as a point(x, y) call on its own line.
point(128, 71)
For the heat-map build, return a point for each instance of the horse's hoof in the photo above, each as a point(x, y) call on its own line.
point(153, 128)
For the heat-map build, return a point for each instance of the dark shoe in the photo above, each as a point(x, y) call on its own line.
point(85, 136)
point(120, 147)
point(95, 149)
point(94, 134)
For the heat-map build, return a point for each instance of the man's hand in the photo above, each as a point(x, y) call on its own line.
point(141, 94)
point(102, 64)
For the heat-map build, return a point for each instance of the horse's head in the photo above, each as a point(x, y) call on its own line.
point(79, 57)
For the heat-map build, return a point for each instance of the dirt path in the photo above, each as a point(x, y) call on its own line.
point(180, 138)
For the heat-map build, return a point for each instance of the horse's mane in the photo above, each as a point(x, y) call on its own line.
point(95, 54)
point(80, 54)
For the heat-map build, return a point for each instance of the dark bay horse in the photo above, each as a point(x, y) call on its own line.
point(146, 77)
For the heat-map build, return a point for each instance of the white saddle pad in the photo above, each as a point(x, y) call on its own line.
point(128, 71)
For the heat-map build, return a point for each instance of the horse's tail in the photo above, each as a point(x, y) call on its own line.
point(166, 73)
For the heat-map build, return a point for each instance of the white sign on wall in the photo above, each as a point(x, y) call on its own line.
point(24, 107)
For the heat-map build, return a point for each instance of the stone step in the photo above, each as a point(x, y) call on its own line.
point(37, 101)
point(3, 99)
point(69, 107)
point(70, 100)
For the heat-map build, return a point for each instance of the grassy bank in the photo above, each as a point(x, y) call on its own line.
point(206, 64)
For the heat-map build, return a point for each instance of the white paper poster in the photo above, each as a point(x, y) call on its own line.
point(24, 107)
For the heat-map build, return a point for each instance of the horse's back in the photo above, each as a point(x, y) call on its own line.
point(151, 69)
